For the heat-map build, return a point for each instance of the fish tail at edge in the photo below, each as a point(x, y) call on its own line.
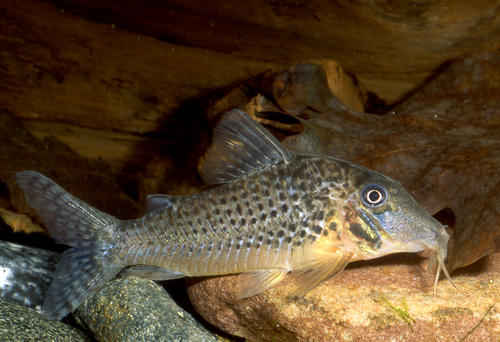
point(93, 258)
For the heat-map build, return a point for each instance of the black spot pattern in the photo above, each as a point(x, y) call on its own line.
point(317, 229)
point(332, 226)
point(275, 207)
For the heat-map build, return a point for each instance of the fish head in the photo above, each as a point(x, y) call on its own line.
point(382, 218)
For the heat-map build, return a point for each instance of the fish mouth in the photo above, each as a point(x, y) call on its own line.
point(432, 236)
point(440, 246)
point(435, 239)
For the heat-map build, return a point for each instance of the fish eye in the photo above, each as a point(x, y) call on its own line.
point(373, 195)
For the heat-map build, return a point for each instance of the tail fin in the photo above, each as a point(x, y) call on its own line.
point(91, 262)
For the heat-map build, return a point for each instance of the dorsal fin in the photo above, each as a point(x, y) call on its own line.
point(240, 146)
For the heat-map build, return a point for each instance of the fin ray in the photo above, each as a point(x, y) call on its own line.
point(70, 221)
point(151, 272)
point(311, 273)
point(240, 146)
point(91, 262)
point(79, 272)
point(262, 280)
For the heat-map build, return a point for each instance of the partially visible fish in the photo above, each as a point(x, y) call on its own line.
point(274, 212)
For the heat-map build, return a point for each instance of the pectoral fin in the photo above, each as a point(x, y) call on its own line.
point(262, 280)
point(314, 271)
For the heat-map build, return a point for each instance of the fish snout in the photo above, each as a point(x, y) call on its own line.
point(438, 242)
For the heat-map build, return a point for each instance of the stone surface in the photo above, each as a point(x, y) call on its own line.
point(292, 88)
point(381, 300)
point(25, 273)
point(126, 309)
point(134, 309)
point(19, 323)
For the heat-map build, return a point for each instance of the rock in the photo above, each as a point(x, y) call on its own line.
point(381, 300)
point(25, 273)
point(90, 74)
point(344, 85)
point(19, 323)
point(135, 309)
point(125, 309)
point(111, 93)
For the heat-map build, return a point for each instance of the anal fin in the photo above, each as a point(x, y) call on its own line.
point(325, 265)
point(262, 280)
point(151, 272)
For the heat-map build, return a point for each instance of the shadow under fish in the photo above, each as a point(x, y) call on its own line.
point(273, 212)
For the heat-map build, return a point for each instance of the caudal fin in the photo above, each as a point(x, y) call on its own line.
point(91, 262)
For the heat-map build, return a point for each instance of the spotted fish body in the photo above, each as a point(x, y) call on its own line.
point(273, 212)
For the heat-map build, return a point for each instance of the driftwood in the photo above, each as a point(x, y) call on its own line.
point(108, 93)
point(391, 46)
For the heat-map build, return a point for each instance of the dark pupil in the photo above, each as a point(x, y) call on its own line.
point(374, 196)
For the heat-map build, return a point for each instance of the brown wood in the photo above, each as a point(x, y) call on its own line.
point(392, 46)
point(100, 89)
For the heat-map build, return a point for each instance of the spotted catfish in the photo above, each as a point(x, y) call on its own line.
point(273, 212)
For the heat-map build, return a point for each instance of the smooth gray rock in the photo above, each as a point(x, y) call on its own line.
point(135, 309)
point(125, 309)
point(25, 273)
point(19, 323)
